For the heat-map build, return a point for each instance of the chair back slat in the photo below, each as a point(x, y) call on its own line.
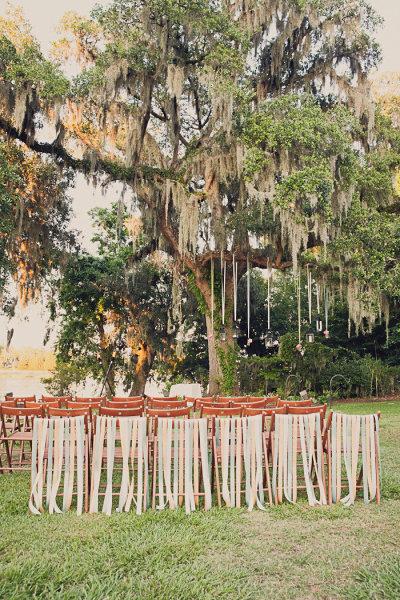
point(68, 412)
point(254, 404)
point(308, 410)
point(129, 404)
point(90, 399)
point(221, 411)
point(153, 403)
point(48, 399)
point(194, 399)
point(21, 411)
point(295, 403)
point(8, 403)
point(249, 411)
point(125, 399)
point(162, 399)
point(33, 404)
point(52, 404)
point(230, 399)
point(83, 405)
point(107, 411)
point(168, 412)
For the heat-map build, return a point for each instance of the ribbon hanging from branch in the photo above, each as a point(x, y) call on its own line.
point(248, 301)
point(212, 293)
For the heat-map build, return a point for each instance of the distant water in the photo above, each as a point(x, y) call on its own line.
point(28, 383)
point(22, 383)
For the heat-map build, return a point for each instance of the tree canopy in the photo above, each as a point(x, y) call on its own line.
point(245, 131)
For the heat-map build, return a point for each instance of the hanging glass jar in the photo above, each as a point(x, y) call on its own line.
point(310, 337)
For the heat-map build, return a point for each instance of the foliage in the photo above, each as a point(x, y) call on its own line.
point(230, 137)
point(229, 366)
point(34, 218)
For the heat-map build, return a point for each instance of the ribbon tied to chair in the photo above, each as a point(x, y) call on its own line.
point(350, 434)
point(298, 452)
point(58, 452)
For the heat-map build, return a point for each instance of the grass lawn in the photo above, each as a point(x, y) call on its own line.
point(285, 552)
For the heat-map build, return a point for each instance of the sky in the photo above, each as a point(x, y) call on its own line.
point(44, 16)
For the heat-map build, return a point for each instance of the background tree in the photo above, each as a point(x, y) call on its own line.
point(114, 311)
point(241, 128)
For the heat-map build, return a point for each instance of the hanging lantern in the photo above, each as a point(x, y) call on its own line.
point(236, 330)
point(222, 334)
point(319, 324)
point(310, 338)
point(269, 339)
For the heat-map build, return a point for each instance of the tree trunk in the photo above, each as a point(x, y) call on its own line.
point(214, 342)
point(142, 370)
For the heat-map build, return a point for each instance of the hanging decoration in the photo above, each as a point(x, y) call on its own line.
point(249, 340)
point(299, 346)
point(212, 296)
point(236, 328)
point(223, 288)
point(271, 339)
point(318, 321)
point(326, 301)
point(310, 334)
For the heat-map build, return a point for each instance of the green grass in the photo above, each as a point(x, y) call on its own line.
point(285, 552)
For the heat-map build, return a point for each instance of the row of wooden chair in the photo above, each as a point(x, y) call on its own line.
point(16, 423)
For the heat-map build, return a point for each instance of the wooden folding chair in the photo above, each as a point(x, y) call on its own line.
point(21, 434)
point(120, 448)
point(62, 400)
point(200, 402)
point(61, 468)
point(311, 460)
point(353, 457)
point(153, 415)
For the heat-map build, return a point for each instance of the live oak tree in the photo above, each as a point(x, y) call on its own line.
point(242, 128)
point(112, 310)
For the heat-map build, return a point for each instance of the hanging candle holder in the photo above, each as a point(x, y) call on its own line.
point(318, 321)
point(310, 337)
point(236, 330)
point(222, 334)
point(249, 340)
point(269, 340)
point(326, 299)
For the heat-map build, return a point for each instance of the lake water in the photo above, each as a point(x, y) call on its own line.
point(28, 383)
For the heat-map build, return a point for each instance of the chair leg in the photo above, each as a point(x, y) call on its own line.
point(217, 472)
point(154, 480)
point(378, 481)
point(329, 463)
point(267, 476)
point(9, 455)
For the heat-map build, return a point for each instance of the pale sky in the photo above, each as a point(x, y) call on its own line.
point(44, 15)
